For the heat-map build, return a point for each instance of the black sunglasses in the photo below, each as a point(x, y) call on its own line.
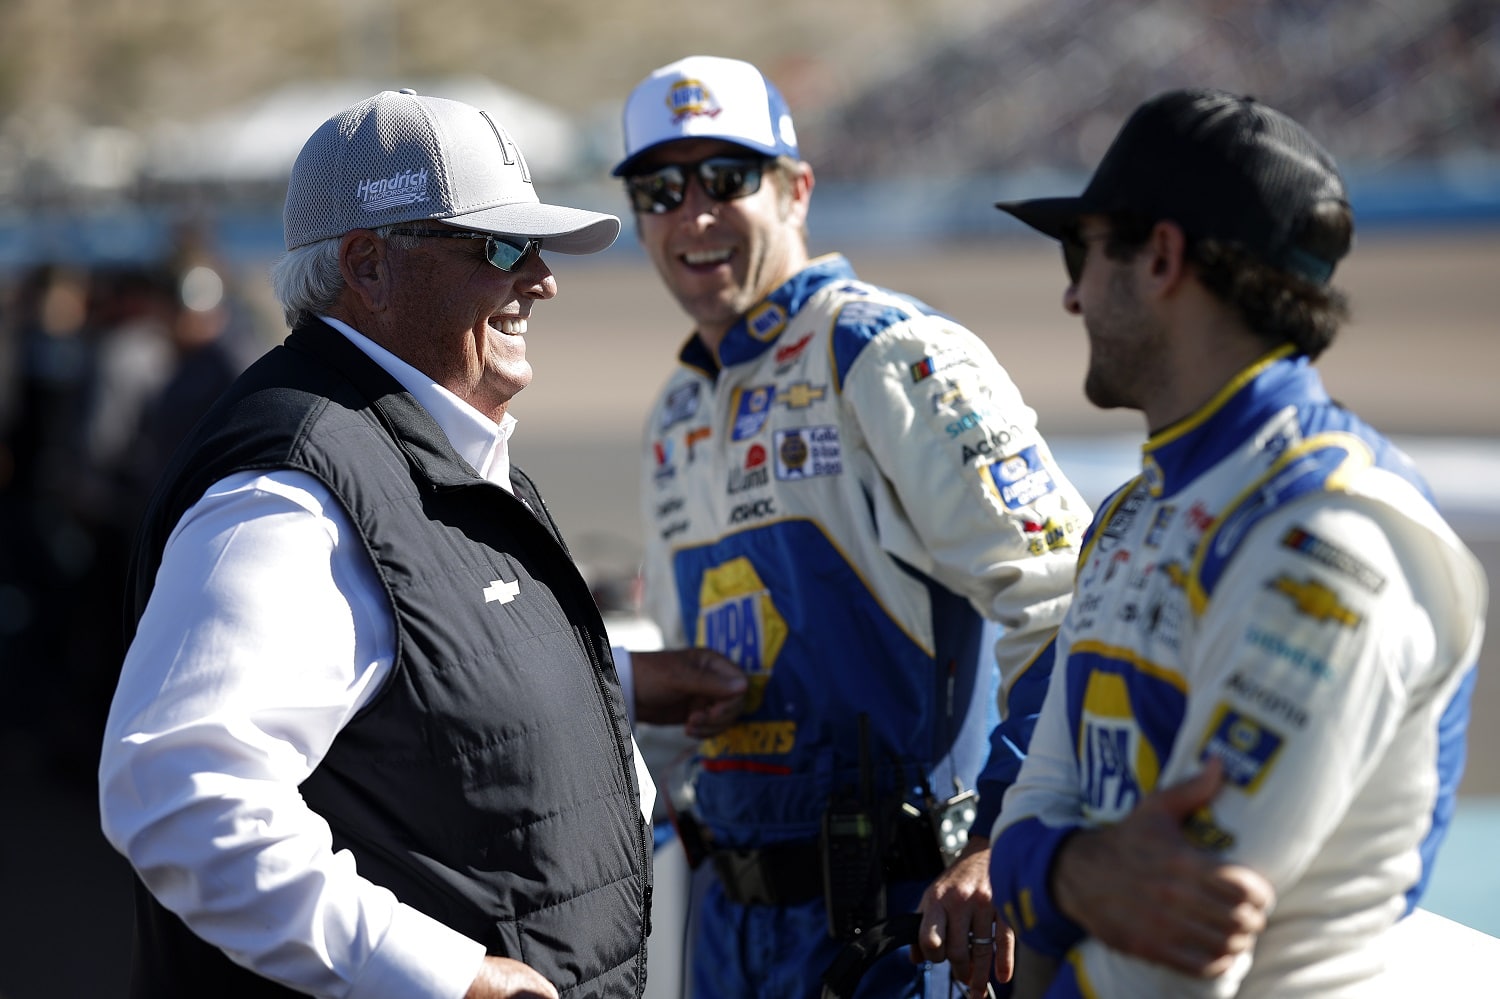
point(724, 178)
point(498, 250)
point(1075, 252)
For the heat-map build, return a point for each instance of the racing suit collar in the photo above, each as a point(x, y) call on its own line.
point(764, 322)
point(1175, 455)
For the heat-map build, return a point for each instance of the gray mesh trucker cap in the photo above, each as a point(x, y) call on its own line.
point(400, 157)
point(1221, 165)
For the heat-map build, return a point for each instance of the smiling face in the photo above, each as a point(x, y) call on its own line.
point(439, 305)
point(718, 258)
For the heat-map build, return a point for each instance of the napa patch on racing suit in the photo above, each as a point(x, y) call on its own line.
point(822, 509)
point(1275, 590)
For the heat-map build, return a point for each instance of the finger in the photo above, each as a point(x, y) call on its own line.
point(1182, 799)
point(931, 934)
point(983, 941)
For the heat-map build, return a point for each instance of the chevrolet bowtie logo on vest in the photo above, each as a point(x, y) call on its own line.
point(502, 590)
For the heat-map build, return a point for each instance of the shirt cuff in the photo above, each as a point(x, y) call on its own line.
point(1021, 872)
point(626, 672)
point(419, 956)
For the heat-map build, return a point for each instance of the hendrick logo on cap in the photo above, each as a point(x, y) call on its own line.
point(690, 98)
point(383, 193)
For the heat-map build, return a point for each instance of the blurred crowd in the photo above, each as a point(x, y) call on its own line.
point(102, 369)
point(1380, 81)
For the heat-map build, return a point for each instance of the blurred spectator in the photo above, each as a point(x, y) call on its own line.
point(1385, 81)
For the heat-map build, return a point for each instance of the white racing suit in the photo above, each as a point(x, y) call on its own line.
point(1276, 590)
point(838, 509)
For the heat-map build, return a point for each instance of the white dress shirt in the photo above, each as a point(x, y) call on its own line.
point(267, 629)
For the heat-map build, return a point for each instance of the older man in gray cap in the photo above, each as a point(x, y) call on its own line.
point(368, 739)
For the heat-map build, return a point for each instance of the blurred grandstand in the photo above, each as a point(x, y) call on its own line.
point(950, 90)
point(1382, 82)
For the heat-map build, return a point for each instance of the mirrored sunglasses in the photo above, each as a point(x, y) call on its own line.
point(505, 252)
point(724, 178)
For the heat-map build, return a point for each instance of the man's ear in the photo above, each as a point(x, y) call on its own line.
point(365, 267)
point(1166, 257)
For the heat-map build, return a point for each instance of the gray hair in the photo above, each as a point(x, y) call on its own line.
point(307, 281)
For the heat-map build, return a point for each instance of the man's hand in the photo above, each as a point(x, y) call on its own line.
point(697, 688)
point(960, 925)
point(1141, 888)
point(503, 978)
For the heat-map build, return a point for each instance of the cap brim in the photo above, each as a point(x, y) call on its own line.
point(629, 162)
point(1050, 216)
point(561, 229)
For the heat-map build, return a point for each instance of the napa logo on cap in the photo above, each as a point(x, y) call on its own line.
point(691, 98)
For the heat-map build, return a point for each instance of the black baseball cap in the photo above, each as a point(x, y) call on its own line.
point(1220, 165)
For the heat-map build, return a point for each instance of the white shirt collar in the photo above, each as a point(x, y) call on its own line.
point(481, 442)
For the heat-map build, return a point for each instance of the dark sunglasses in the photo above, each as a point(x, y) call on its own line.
point(1075, 253)
point(724, 178)
point(502, 251)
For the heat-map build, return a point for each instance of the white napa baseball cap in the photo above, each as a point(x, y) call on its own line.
point(707, 97)
point(401, 157)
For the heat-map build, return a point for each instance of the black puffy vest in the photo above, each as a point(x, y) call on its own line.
point(490, 782)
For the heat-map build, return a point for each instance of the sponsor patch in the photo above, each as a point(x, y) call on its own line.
point(1021, 479)
point(765, 321)
point(1334, 557)
point(753, 474)
point(378, 194)
point(808, 452)
point(694, 437)
point(666, 469)
point(752, 509)
point(1247, 747)
point(800, 395)
point(1267, 641)
point(1315, 600)
point(941, 361)
point(681, 404)
point(1267, 700)
point(752, 406)
point(788, 353)
point(691, 99)
point(1159, 525)
point(768, 738)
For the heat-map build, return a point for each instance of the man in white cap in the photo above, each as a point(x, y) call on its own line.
point(368, 739)
point(840, 487)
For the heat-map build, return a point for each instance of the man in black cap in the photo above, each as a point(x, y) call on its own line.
point(1252, 738)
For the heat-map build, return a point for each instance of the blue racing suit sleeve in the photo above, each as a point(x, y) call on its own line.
point(1020, 874)
point(1009, 739)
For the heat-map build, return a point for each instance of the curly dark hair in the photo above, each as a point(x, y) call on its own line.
point(1276, 305)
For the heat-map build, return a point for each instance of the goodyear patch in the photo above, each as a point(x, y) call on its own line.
point(1021, 479)
point(1315, 600)
point(680, 405)
point(807, 452)
point(752, 406)
point(1246, 746)
point(1334, 557)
